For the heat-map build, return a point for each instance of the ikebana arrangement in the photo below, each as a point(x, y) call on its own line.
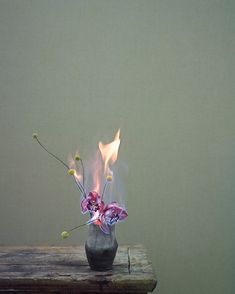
point(101, 244)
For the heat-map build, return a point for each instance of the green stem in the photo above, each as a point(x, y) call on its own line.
point(105, 185)
point(80, 186)
point(83, 173)
point(77, 227)
point(56, 157)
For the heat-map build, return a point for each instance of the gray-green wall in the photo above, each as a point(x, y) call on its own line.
point(163, 71)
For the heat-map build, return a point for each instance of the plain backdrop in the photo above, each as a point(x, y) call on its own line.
point(162, 71)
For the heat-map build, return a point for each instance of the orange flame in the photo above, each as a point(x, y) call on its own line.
point(78, 177)
point(96, 181)
point(72, 165)
point(109, 152)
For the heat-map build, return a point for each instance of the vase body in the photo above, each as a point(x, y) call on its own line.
point(100, 248)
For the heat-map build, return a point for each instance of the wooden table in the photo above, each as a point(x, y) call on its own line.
point(65, 270)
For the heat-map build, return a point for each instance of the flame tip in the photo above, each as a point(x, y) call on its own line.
point(109, 152)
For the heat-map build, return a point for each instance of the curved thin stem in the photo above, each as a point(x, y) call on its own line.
point(77, 227)
point(105, 185)
point(83, 178)
point(80, 186)
point(91, 221)
point(83, 173)
point(53, 155)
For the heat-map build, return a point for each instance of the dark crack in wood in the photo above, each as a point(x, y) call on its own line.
point(129, 260)
point(46, 269)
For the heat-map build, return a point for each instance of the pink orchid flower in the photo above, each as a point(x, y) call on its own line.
point(92, 203)
point(108, 216)
point(113, 213)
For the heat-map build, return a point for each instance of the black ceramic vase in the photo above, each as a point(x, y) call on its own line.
point(100, 248)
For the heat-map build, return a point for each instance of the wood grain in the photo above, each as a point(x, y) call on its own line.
point(47, 269)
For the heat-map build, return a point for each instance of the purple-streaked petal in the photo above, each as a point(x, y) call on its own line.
point(101, 205)
point(92, 202)
point(122, 215)
point(114, 213)
point(112, 205)
point(94, 218)
point(84, 203)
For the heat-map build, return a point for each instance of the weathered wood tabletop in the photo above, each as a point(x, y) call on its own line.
point(65, 270)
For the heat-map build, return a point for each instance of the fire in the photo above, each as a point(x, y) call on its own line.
point(72, 165)
point(109, 152)
point(96, 180)
point(78, 177)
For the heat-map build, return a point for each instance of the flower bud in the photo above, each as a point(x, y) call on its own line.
point(65, 234)
point(109, 178)
point(34, 135)
point(71, 171)
point(77, 157)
